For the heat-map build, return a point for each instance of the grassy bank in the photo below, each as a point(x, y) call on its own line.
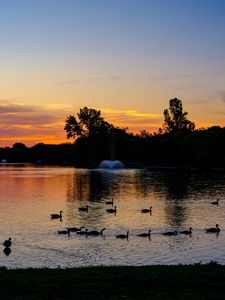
point(146, 282)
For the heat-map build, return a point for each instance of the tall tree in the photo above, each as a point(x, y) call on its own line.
point(89, 122)
point(175, 118)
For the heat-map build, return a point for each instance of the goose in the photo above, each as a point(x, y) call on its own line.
point(170, 233)
point(215, 202)
point(94, 232)
point(123, 236)
point(74, 229)
point(64, 231)
point(112, 210)
point(7, 243)
point(145, 234)
point(146, 210)
point(83, 208)
point(110, 202)
point(82, 232)
point(187, 231)
point(213, 229)
point(57, 216)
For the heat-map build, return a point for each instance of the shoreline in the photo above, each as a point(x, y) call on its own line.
point(196, 281)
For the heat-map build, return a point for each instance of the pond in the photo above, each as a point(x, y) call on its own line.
point(180, 198)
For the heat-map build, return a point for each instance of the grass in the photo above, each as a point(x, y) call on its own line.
point(112, 283)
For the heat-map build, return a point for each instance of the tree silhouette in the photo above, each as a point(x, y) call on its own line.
point(175, 118)
point(89, 123)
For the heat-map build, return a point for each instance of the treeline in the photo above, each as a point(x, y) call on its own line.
point(177, 143)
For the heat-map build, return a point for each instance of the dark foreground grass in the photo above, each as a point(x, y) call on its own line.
point(146, 282)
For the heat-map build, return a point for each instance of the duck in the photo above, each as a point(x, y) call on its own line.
point(213, 229)
point(123, 236)
point(187, 231)
point(112, 210)
point(7, 243)
point(111, 202)
point(95, 232)
point(171, 233)
point(83, 208)
point(215, 202)
point(57, 216)
point(64, 231)
point(145, 234)
point(74, 229)
point(146, 210)
point(82, 232)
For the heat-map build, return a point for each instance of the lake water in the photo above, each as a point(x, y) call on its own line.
point(180, 199)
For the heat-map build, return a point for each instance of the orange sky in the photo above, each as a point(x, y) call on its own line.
point(35, 124)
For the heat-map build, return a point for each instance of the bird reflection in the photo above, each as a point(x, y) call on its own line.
point(7, 251)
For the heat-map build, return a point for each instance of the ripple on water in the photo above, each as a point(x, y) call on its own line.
point(30, 194)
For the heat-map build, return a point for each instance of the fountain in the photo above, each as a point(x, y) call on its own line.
point(111, 164)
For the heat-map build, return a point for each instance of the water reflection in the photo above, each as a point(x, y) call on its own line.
point(7, 251)
point(180, 199)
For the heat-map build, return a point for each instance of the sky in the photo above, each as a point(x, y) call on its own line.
point(127, 58)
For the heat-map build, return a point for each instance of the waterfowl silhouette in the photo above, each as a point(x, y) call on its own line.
point(146, 210)
point(95, 232)
point(187, 231)
point(57, 216)
point(123, 236)
point(82, 232)
point(112, 210)
point(64, 231)
point(7, 243)
point(170, 233)
point(215, 202)
point(110, 202)
point(217, 230)
point(145, 234)
point(74, 229)
point(83, 208)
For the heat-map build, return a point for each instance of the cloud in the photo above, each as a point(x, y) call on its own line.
point(32, 124)
point(68, 82)
point(133, 119)
point(222, 95)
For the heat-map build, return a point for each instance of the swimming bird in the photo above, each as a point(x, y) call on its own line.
point(187, 231)
point(7, 243)
point(215, 202)
point(123, 236)
point(110, 202)
point(213, 229)
point(64, 231)
point(74, 229)
point(57, 216)
point(82, 232)
point(170, 233)
point(83, 208)
point(146, 210)
point(145, 234)
point(94, 232)
point(112, 210)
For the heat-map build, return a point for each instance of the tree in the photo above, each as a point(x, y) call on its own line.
point(89, 123)
point(175, 118)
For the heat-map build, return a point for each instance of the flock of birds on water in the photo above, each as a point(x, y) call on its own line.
point(84, 231)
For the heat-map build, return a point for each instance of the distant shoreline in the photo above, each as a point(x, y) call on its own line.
point(128, 165)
